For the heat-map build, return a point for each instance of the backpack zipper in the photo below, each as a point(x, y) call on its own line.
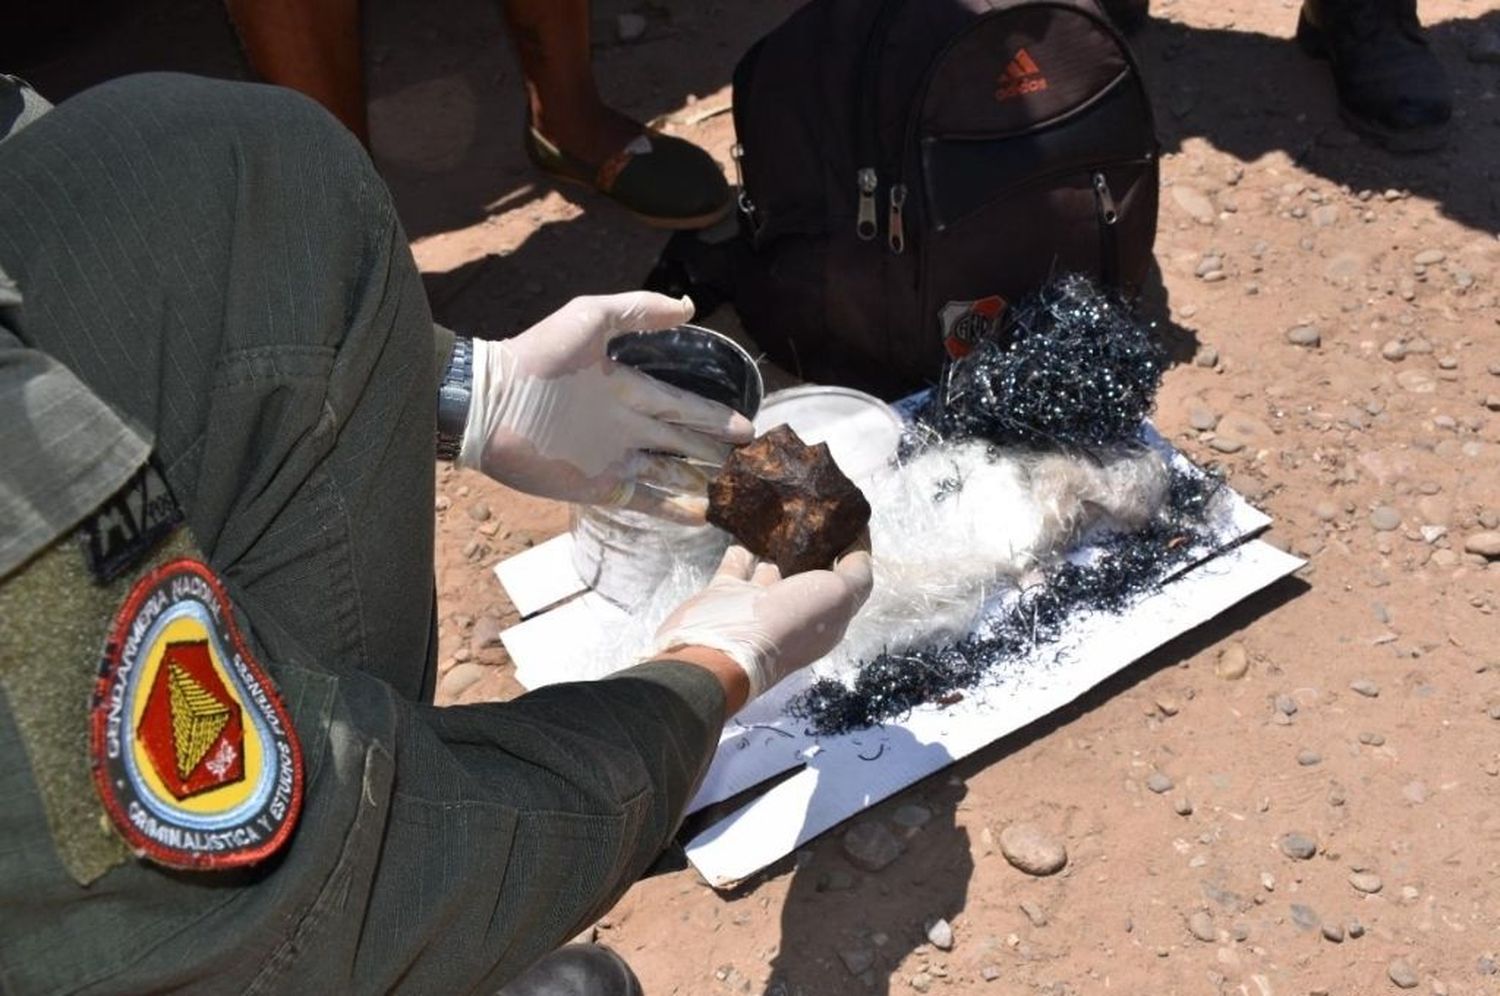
point(867, 179)
point(1109, 246)
point(896, 232)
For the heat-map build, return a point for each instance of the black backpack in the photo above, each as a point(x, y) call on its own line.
point(909, 166)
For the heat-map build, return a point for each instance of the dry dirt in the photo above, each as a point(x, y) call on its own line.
point(1373, 443)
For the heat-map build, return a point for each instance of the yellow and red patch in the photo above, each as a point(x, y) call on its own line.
point(193, 754)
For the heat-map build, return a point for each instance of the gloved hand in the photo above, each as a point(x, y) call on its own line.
point(768, 625)
point(554, 416)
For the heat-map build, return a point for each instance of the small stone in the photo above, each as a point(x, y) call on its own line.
point(1487, 965)
point(921, 982)
point(1201, 926)
point(1372, 739)
point(1365, 687)
point(1202, 419)
point(1305, 917)
point(940, 935)
point(1385, 518)
point(989, 973)
point(1207, 356)
point(630, 27)
point(1394, 349)
point(1286, 705)
point(1367, 882)
point(1233, 663)
point(1034, 913)
point(1429, 257)
point(1298, 846)
point(1486, 544)
point(1268, 881)
point(857, 960)
point(1325, 215)
point(1182, 806)
point(442, 503)
point(1158, 782)
point(1195, 203)
point(1492, 402)
point(487, 632)
point(911, 816)
point(1402, 974)
point(1304, 335)
point(1032, 850)
point(461, 677)
point(479, 511)
point(869, 845)
point(1226, 444)
point(1333, 932)
point(1208, 264)
point(1416, 381)
point(1355, 929)
point(1308, 758)
point(1168, 705)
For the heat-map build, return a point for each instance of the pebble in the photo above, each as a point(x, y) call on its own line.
point(630, 27)
point(869, 845)
point(1308, 758)
point(911, 816)
point(1234, 662)
point(940, 934)
point(1183, 806)
point(1158, 782)
point(1298, 846)
point(989, 973)
point(1201, 926)
point(1202, 419)
point(1168, 705)
point(1402, 974)
point(1492, 402)
point(461, 677)
point(1305, 917)
point(1304, 335)
point(442, 503)
point(1325, 215)
point(487, 632)
point(1486, 544)
point(1333, 932)
point(1372, 739)
point(857, 960)
point(1394, 349)
point(479, 511)
point(1429, 257)
point(1365, 687)
point(1286, 705)
point(1034, 913)
point(1355, 929)
point(1367, 882)
point(1194, 202)
point(1208, 264)
point(1032, 850)
point(1416, 381)
point(1226, 444)
point(1207, 356)
point(1385, 518)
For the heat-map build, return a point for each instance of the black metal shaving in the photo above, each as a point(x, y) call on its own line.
point(1128, 565)
point(1070, 367)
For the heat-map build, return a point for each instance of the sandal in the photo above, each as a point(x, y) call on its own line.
point(664, 181)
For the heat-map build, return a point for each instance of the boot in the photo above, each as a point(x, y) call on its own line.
point(1391, 87)
point(576, 970)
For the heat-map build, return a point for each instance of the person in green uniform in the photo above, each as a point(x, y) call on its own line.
point(221, 767)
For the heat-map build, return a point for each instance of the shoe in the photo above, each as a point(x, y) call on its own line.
point(664, 181)
point(1391, 87)
point(576, 970)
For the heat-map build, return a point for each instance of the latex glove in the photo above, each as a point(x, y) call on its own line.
point(554, 416)
point(768, 625)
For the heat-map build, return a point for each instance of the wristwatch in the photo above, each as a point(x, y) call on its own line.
point(453, 398)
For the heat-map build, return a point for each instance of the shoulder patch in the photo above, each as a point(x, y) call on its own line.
point(193, 754)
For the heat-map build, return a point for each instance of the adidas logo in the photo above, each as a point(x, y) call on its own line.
point(1021, 76)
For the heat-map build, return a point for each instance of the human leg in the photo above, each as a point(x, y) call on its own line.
point(312, 46)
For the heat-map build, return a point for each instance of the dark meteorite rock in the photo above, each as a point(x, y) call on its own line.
point(787, 502)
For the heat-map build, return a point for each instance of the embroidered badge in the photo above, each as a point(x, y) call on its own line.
point(193, 755)
point(128, 524)
point(966, 322)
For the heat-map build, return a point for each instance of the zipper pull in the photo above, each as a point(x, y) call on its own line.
point(737, 153)
point(865, 226)
point(895, 232)
point(1106, 200)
